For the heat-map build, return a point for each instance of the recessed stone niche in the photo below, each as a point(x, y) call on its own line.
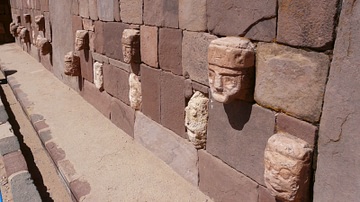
point(72, 64)
point(135, 95)
point(231, 69)
point(288, 167)
point(196, 119)
point(27, 18)
point(131, 45)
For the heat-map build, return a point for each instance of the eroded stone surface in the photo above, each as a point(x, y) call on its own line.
point(98, 75)
point(161, 13)
point(131, 45)
point(291, 80)
point(72, 64)
point(131, 11)
point(81, 40)
point(231, 69)
point(192, 15)
point(288, 167)
point(196, 119)
point(135, 91)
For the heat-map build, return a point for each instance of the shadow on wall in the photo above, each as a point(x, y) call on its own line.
point(238, 113)
point(5, 20)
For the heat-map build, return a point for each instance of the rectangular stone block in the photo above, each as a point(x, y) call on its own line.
point(100, 58)
point(116, 10)
point(263, 31)
point(131, 11)
point(175, 151)
point(116, 82)
point(14, 162)
point(173, 103)
point(291, 80)
point(75, 7)
point(105, 10)
point(161, 13)
point(100, 100)
point(113, 34)
point(296, 127)
point(195, 55)
point(192, 15)
point(149, 45)
point(238, 133)
point(234, 18)
point(23, 188)
point(76, 25)
point(8, 141)
point(99, 41)
point(123, 116)
point(93, 10)
point(222, 183)
point(150, 90)
point(44, 4)
point(86, 65)
point(302, 28)
point(84, 8)
point(88, 25)
point(124, 66)
point(170, 43)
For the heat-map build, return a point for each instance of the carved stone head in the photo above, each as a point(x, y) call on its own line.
point(231, 69)
point(24, 35)
point(40, 22)
point(18, 29)
point(98, 75)
point(131, 45)
point(13, 28)
point(72, 64)
point(287, 167)
point(196, 119)
point(43, 44)
point(81, 40)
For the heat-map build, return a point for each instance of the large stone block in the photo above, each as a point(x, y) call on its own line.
point(307, 23)
point(263, 31)
point(123, 116)
point(194, 55)
point(14, 162)
point(99, 41)
point(237, 134)
point(192, 15)
point(234, 18)
point(116, 82)
point(288, 167)
point(296, 127)
point(291, 80)
point(170, 41)
point(337, 175)
point(76, 25)
point(113, 32)
point(93, 10)
point(175, 151)
point(86, 65)
point(173, 103)
point(84, 8)
point(131, 11)
point(100, 100)
point(222, 183)
point(161, 13)
point(149, 45)
point(150, 90)
point(105, 10)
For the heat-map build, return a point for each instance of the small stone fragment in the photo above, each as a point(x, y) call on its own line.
point(72, 64)
point(135, 95)
point(131, 45)
point(43, 44)
point(287, 167)
point(98, 75)
point(81, 40)
point(196, 119)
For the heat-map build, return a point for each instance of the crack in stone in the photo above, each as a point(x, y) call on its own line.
point(257, 22)
point(341, 130)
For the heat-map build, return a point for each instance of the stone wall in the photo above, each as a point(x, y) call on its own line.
point(236, 116)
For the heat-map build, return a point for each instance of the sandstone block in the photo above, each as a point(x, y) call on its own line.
point(263, 31)
point(307, 23)
point(149, 45)
point(196, 119)
point(170, 41)
point(296, 127)
point(123, 116)
point(233, 18)
point(74, 7)
point(192, 15)
point(116, 82)
point(84, 8)
point(116, 9)
point(8, 141)
point(88, 24)
point(14, 162)
point(175, 151)
point(100, 100)
point(131, 11)
point(93, 10)
point(222, 183)
point(173, 103)
point(237, 134)
point(291, 80)
point(119, 64)
point(100, 58)
point(288, 167)
point(23, 188)
point(105, 10)
point(86, 65)
point(135, 92)
point(161, 13)
point(113, 34)
point(98, 75)
point(150, 90)
point(194, 55)
point(131, 46)
point(92, 41)
point(99, 41)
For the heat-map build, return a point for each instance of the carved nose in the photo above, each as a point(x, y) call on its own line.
point(218, 83)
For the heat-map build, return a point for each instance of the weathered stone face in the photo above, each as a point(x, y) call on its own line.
point(81, 40)
point(196, 119)
point(98, 75)
point(287, 167)
point(40, 22)
point(72, 64)
point(231, 69)
point(135, 95)
point(131, 45)
point(43, 44)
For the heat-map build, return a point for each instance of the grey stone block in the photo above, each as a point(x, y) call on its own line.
point(23, 188)
point(8, 141)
